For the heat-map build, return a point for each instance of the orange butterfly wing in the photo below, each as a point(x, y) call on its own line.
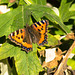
point(41, 27)
point(18, 37)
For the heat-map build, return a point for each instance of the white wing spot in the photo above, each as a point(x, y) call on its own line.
point(11, 34)
point(43, 20)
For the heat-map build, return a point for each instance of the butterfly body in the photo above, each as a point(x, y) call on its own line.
point(36, 33)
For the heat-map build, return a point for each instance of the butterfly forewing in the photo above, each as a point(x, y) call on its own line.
point(41, 27)
point(19, 38)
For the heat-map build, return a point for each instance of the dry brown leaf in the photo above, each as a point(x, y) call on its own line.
point(50, 64)
point(54, 63)
point(42, 53)
point(59, 54)
point(70, 36)
point(64, 61)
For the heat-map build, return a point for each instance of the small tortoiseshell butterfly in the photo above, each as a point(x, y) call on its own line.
point(36, 33)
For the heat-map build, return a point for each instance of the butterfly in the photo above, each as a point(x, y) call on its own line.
point(36, 33)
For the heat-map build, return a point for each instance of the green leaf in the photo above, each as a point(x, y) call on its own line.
point(8, 50)
point(22, 2)
point(40, 2)
point(73, 51)
point(4, 1)
point(50, 14)
point(27, 64)
point(60, 24)
point(6, 21)
point(14, 20)
point(18, 18)
point(72, 8)
point(52, 41)
point(65, 14)
point(10, 2)
point(71, 62)
point(29, 2)
point(72, 15)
